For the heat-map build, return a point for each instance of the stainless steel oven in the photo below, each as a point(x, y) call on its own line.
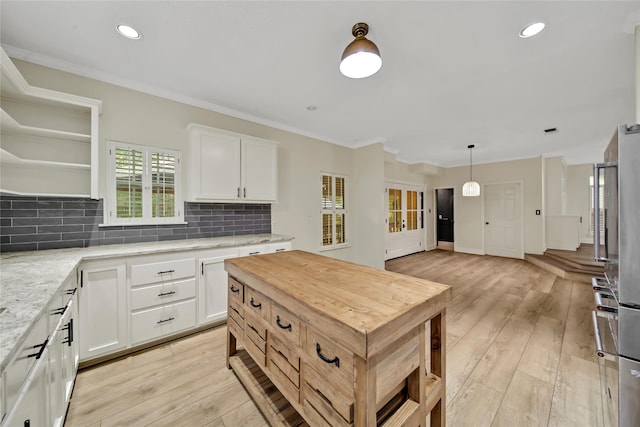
point(616, 317)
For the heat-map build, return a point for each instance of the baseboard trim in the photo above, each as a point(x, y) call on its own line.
point(472, 251)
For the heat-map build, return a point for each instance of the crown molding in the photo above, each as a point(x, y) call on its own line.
point(92, 73)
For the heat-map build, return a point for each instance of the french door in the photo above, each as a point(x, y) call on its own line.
point(405, 220)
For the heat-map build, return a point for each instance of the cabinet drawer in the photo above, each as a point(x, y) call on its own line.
point(22, 363)
point(278, 247)
point(142, 274)
point(284, 358)
point(256, 304)
point(319, 396)
point(236, 291)
point(329, 358)
point(282, 381)
point(236, 311)
point(252, 250)
point(160, 321)
point(284, 324)
point(255, 335)
point(149, 296)
point(237, 329)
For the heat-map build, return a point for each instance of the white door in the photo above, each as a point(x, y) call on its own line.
point(259, 170)
point(218, 158)
point(503, 220)
point(404, 229)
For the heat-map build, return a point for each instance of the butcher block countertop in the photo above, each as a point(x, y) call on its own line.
point(371, 307)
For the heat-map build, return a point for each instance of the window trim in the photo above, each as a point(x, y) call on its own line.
point(333, 211)
point(146, 219)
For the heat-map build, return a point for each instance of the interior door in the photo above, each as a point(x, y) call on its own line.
point(444, 210)
point(503, 220)
point(405, 218)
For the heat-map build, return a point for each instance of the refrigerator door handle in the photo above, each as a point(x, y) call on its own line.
point(596, 208)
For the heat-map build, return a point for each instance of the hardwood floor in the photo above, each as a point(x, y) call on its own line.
point(520, 353)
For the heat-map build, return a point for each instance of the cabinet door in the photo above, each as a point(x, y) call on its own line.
point(55, 382)
point(260, 170)
point(69, 349)
point(217, 171)
point(212, 289)
point(103, 310)
point(32, 407)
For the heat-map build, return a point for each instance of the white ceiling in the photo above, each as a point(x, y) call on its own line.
point(453, 74)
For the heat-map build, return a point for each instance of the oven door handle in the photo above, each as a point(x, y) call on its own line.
point(596, 208)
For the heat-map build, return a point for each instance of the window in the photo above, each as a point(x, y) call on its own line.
point(143, 185)
point(334, 210)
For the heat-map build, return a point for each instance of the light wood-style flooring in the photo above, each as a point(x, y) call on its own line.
point(520, 353)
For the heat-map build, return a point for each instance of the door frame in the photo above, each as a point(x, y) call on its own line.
point(425, 209)
point(483, 193)
point(435, 215)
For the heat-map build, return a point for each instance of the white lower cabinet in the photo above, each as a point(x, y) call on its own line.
point(212, 286)
point(153, 323)
point(31, 406)
point(103, 309)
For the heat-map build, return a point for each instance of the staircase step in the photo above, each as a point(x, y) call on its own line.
point(563, 269)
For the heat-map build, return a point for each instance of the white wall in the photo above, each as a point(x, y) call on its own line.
point(468, 226)
point(579, 197)
point(367, 193)
point(136, 117)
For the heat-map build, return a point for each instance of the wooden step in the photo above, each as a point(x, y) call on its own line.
point(562, 269)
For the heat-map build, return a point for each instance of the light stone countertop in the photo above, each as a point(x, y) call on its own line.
point(29, 279)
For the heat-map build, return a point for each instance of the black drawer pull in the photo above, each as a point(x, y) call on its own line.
point(166, 320)
point(71, 291)
point(59, 311)
point(281, 325)
point(335, 360)
point(39, 353)
point(235, 290)
point(254, 253)
point(253, 304)
point(166, 272)
point(69, 328)
point(164, 294)
point(280, 250)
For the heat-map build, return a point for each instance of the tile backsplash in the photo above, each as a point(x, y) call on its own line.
point(36, 223)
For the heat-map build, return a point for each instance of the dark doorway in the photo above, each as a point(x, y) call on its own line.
point(444, 210)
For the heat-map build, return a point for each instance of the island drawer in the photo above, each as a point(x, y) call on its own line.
point(329, 358)
point(164, 320)
point(320, 395)
point(285, 358)
point(255, 335)
point(236, 291)
point(142, 274)
point(256, 303)
point(149, 296)
point(236, 312)
point(285, 324)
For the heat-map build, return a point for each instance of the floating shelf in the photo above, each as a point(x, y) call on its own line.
point(10, 125)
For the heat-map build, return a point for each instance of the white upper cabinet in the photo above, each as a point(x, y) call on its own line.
point(49, 139)
point(230, 167)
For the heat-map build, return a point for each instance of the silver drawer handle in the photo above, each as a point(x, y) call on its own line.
point(164, 294)
point(166, 320)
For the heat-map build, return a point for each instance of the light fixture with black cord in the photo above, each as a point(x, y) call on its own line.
point(361, 58)
point(470, 188)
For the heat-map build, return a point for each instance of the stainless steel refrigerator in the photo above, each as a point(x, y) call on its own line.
point(617, 296)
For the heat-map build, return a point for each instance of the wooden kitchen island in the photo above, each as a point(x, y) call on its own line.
point(343, 344)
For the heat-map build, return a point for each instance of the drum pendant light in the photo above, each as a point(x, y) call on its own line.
point(361, 58)
point(470, 188)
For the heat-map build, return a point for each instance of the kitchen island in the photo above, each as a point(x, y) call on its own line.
point(344, 344)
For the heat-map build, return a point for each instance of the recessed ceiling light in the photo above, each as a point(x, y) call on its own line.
point(128, 32)
point(312, 108)
point(531, 30)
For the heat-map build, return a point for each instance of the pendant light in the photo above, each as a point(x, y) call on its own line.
point(361, 58)
point(470, 188)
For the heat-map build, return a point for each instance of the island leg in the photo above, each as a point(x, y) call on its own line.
point(231, 346)
point(438, 365)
